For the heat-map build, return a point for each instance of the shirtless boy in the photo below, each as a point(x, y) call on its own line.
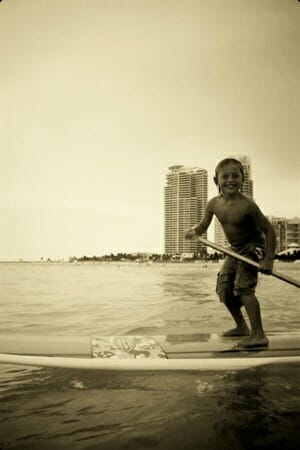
point(250, 233)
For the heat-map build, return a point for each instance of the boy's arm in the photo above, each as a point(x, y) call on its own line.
point(261, 221)
point(202, 226)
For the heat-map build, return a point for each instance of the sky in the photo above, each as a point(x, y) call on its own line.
point(99, 98)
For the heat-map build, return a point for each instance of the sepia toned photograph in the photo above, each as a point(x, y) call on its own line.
point(150, 225)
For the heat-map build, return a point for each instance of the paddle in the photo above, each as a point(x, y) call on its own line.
point(235, 255)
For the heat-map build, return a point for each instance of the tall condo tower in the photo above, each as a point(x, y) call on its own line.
point(185, 201)
point(247, 189)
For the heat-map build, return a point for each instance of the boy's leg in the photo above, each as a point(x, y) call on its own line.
point(241, 328)
point(225, 285)
point(245, 284)
point(257, 336)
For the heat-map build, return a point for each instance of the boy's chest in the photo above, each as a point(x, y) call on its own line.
point(233, 213)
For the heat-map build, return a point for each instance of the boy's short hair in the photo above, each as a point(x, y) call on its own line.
point(226, 161)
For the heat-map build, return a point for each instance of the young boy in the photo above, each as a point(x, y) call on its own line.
point(250, 233)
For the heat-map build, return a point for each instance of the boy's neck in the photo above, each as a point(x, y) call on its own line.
point(235, 196)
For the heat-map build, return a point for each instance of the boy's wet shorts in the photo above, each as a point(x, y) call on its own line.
point(237, 278)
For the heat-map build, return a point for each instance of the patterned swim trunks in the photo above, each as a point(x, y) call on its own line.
point(236, 277)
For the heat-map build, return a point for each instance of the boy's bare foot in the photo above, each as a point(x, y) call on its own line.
point(253, 341)
point(238, 331)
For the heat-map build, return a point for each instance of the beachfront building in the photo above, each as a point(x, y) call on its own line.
point(247, 189)
point(185, 198)
point(287, 232)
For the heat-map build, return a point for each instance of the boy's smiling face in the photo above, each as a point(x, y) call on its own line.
point(230, 179)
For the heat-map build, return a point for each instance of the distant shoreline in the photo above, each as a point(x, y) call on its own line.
point(120, 263)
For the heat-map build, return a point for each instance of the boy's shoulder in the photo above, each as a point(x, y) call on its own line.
point(213, 201)
point(249, 201)
point(214, 204)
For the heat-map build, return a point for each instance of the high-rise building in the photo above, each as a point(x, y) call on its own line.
point(247, 186)
point(246, 189)
point(185, 202)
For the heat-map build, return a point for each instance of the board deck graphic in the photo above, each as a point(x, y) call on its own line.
point(127, 347)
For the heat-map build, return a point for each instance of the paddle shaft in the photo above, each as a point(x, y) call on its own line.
point(235, 255)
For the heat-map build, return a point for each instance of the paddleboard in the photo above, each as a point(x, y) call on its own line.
point(147, 353)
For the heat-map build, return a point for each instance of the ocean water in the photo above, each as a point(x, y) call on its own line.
point(40, 408)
